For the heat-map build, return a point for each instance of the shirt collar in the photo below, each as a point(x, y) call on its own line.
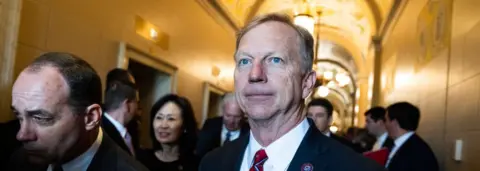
point(328, 134)
point(278, 155)
point(383, 137)
point(225, 130)
point(120, 128)
point(403, 138)
point(82, 162)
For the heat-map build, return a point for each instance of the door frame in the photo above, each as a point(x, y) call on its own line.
point(207, 88)
point(126, 52)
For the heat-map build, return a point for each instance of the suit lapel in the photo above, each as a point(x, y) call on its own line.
point(113, 133)
point(311, 149)
point(236, 150)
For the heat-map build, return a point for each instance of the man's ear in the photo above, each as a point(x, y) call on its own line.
point(93, 116)
point(308, 83)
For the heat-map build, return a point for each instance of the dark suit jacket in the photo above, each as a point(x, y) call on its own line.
point(108, 157)
point(414, 155)
point(323, 153)
point(113, 133)
point(8, 143)
point(357, 148)
point(388, 143)
point(210, 135)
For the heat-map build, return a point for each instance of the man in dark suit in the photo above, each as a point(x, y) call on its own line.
point(320, 110)
point(224, 129)
point(56, 99)
point(410, 152)
point(273, 76)
point(375, 124)
point(121, 104)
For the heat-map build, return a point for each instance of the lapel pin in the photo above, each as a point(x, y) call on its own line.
point(307, 167)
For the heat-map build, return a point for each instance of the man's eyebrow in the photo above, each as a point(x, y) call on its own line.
point(251, 56)
point(240, 53)
point(38, 112)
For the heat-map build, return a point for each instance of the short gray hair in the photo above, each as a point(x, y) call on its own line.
point(306, 41)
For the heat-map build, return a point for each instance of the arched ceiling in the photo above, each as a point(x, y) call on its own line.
point(357, 19)
point(348, 23)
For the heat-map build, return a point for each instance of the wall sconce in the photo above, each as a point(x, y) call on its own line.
point(151, 32)
point(216, 71)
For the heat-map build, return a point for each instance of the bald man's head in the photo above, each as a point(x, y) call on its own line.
point(232, 115)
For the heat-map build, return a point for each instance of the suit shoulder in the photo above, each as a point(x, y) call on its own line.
point(346, 158)
point(213, 157)
point(128, 163)
point(217, 158)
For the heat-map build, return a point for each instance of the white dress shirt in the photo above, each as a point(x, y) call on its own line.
point(398, 143)
point(280, 153)
point(328, 134)
point(380, 140)
point(123, 132)
point(120, 128)
point(82, 162)
point(233, 134)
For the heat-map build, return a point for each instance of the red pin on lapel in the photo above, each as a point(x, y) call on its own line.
point(307, 167)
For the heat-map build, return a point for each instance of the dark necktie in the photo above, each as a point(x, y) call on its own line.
point(227, 137)
point(57, 168)
point(259, 159)
point(388, 144)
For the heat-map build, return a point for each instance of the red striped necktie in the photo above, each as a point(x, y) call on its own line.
point(259, 159)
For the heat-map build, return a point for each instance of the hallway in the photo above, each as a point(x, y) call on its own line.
point(368, 53)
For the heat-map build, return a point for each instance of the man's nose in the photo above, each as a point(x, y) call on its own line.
point(257, 73)
point(26, 133)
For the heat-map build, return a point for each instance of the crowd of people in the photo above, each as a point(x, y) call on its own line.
point(265, 124)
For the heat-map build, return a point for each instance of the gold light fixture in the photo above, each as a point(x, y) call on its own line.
point(305, 16)
point(323, 91)
point(306, 21)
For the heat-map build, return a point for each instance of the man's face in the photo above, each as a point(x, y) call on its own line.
point(374, 127)
point(49, 128)
point(232, 116)
point(320, 116)
point(268, 77)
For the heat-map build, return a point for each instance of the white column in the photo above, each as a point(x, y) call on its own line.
point(10, 11)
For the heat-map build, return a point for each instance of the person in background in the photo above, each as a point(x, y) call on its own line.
point(221, 130)
point(57, 101)
point(121, 104)
point(410, 152)
point(375, 124)
point(320, 110)
point(363, 140)
point(174, 135)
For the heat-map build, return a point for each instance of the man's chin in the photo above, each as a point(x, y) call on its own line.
point(37, 158)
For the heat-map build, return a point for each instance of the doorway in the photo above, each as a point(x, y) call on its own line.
point(212, 100)
point(154, 78)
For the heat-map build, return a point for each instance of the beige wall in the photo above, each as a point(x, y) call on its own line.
point(447, 88)
point(93, 29)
